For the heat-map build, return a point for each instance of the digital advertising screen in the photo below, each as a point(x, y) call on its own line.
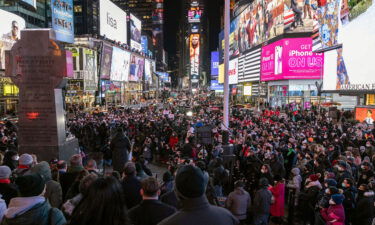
point(90, 67)
point(158, 13)
point(214, 64)
point(164, 77)
point(299, 16)
point(144, 44)
point(365, 114)
point(215, 86)
point(148, 71)
point(247, 90)
point(137, 65)
point(194, 15)
point(113, 23)
point(291, 58)
point(194, 54)
point(62, 20)
point(11, 25)
point(106, 61)
point(69, 64)
point(350, 68)
point(120, 64)
point(233, 71)
point(135, 32)
point(194, 28)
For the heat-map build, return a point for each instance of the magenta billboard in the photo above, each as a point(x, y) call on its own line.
point(69, 64)
point(291, 58)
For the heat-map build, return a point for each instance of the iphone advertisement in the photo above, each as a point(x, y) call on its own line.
point(291, 58)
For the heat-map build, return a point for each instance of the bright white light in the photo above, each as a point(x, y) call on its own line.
point(189, 113)
point(193, 90)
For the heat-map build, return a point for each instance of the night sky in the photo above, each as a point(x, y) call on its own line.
point(172, 18)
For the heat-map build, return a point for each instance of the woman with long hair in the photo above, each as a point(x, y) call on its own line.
point(103, 204)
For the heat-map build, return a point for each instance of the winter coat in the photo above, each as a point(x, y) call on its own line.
point(67, 179)
point(262, 202)
point(334, 215)
point(120, 146)
point(131, 186)
point(8, 191)
point(308, 199)
point(3, 208)
point(278, 192)
point(238, 202)
point(32, 210)
point(364, 212)
point(198, 211)
point(155, 210)
point(295, 184)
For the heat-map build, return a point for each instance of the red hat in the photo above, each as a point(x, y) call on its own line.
point(313, 177)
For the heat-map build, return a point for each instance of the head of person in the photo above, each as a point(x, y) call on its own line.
point(369, 113)
point(25, 161)
point(91, 165)
point(330, 183)
point(62, 165)
point(104, 203)
point(239, 184)
point(86, 182)
point(76, 160)
point(347, 183)
point(130, 169)
point(43, 169)
point(263, 182)
point(31, 185)
point(15, 29)
point(5, 173)
point(195, 41)
point(190, 182)
point(150, 188)
point(265, 169)
point(336, 199)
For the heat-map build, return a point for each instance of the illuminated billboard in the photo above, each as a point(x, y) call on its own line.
point(194, 15)
point(365, 115)
point(90, 70)
point(194, 54)
point(233, 71)
point(120, 65)
point(106, 61)
point(137, 65)
point(194, 28)
point(214, 64)
point(291, 58)
point(148, 71)
point(62, 20)
point(11, 25)
point(135, 33)
point(113, 23)
point(158, 13)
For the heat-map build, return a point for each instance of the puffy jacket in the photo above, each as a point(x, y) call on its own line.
point(334, 215)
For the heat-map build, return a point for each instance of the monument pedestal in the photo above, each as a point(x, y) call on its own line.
point(37, 65)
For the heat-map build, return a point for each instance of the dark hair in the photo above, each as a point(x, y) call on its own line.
point(103, 204)
point(150, 186)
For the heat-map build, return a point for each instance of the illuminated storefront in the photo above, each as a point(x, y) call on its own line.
point(8, 96)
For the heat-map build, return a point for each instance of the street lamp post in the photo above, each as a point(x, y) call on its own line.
point(226, 66)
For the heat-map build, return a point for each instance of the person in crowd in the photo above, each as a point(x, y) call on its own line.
point(31, 207)
point(91, 166)
point(265, 172)
point(3, 208)
point(8, 190)
point(69, 206)
point(218, 177)
point(262, 203)
point(140, 172)
point(190, 188)
point(131, 186)
point(308, 199)
point(61, 168)
point(167, 184)
point(366, 173)
point(349, 203)
point(295, 184)
point(53, 192)
point(335, 213)
point(67, 179)
point(103, 204)
point(239, 202)
point(11, 159)
point(155, 210)
point(365, 210)
point(120, 147)
point(25, 162)
point(278, 193)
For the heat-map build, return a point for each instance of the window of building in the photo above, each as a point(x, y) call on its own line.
point(77, 8)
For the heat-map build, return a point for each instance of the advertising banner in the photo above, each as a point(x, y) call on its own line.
point(157, 14)
point(11, 25)
point(215, 86)
point(75, 85)
point(233, 71)
point(194, 28)
point(221, 73)
point(135, 32)
point(111, 86)
point(120, 65)
point(62, 20)
point(351, 67)
point(148, 71)
point(144, 43)
point(291, 58)
point(90, 70)
point(194, 54)
point(365, 114)
point(69, 64)
point(106, 61)
point(113, 23)
point(194, 15)
point(247, 90)
point(137, 65)
point(214, 64)
point(299, 15)
point(163, 76)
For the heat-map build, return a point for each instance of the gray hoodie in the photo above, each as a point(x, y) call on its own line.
point(238, 202)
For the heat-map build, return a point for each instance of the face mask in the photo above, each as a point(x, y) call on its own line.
point(331, 202)
point(16, 157)
point(341, 169)
point(363, 167)
point(327, 191)
point(263, 171)
point(343, 185)
point(368, 145)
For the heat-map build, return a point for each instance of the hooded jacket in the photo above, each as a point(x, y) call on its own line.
point(364, 212)
point(238, 202)
point(31, 211)
point(334, 215)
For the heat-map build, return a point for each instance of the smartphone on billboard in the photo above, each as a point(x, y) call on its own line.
point(278, 60)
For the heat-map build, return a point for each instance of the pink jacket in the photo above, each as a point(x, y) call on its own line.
point(278, 192)
point(334, 215)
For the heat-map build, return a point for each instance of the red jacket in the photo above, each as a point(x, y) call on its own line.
point(173, 141)
point(334, 215)
point(278, 192)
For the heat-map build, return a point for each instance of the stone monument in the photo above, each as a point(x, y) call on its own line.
point(37, 65)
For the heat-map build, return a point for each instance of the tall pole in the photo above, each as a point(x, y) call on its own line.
point(226, 65)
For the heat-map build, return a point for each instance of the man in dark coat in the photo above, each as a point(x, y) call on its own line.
point(7, 189)
point(364, 212)
point(131, 186)
point(67, 179)
point(155, 210)
point(120, 147)
point(190, 188)
point(262, 203)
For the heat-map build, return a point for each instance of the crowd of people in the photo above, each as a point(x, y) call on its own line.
point(276, 166)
